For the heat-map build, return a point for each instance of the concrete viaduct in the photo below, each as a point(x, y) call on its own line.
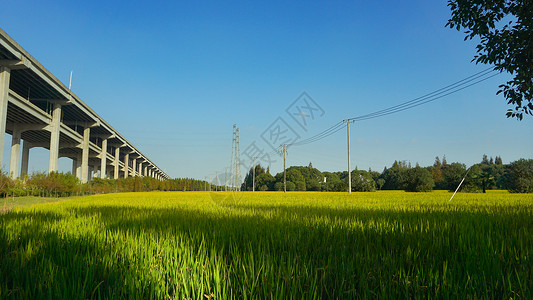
point(39, 111)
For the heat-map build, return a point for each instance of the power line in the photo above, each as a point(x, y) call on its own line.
point(333, 129)
point(435, 95)
point(430, 97)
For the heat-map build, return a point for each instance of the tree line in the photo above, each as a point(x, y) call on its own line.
point(517, 177)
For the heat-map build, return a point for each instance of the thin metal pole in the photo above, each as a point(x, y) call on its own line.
point(253, 178)
point(460, 183)
point(349, 166)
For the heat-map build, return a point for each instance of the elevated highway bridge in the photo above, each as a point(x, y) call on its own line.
point(40, 111)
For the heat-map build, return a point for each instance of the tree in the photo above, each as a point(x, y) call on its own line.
point(380, 182)
point(264, 182)
point(452, 175)
point(436, 171)
point(484, 177)
point(418, 179)
point(505, 28)
point(334, 183)
point(485, 160)
point(362, 181)
point(393, 176)
point(519, 177)
point(247, 185)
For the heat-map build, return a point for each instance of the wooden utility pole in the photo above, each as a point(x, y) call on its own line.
point(349, 166)
point(284, 170)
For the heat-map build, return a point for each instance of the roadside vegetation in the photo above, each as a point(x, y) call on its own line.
point(66, 185)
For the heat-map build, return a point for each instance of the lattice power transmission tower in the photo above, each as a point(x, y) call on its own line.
point(235, 167)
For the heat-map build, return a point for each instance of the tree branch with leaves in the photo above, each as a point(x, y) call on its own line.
point(505, 29)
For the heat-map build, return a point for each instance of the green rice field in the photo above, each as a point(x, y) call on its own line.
point(299, 245)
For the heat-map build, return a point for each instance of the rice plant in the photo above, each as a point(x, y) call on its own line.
point(200, 245)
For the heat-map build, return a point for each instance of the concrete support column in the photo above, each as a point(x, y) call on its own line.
point(25, 158)
point(133, 166)
point(5, 74)
point(117, 156)
point(126, 165)
point(145, 172)
point(15, 152)
point(78, 167)
point(103, 159)
point(140, 169)
point(85, 155)
point(74, 166)
point(54, 138)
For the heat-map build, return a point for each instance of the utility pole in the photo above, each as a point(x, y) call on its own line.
point(216, 181)
point(253, 177)
point(284, 170)
point(205, 183)
point(349, 166)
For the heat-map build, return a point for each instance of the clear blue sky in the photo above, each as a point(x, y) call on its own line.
point(174, 77)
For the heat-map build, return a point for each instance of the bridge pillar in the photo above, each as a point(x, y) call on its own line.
point(85, 155)
point(126, 165)
point(74, 165)
point(25, 158)
point(4, 93)
point(15, 152)
point(103, 158)
point(133, 167)
point(140, 169)
point(78, 167)
point(54, 138)
point(117, 156)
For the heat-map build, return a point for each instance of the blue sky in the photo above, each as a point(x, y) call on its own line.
point(173, 78)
